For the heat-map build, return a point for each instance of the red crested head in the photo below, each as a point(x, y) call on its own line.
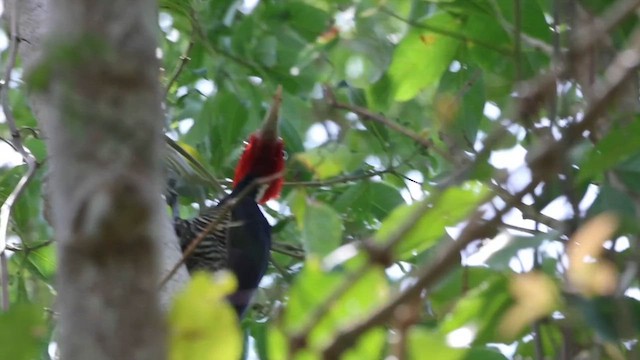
point(264, 154)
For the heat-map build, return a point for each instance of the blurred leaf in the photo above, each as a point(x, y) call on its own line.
point(370, 198)
point(460, 103)
point(550, 337)
point(480, 310)
point(489, 48)
point(22, 332)
point(588, 272)
point(369, 346)
point(477, 353)
point(456, 284)
point(321, 228)
point(202, 124)
point(9, 178)
point(422, 56)
point(297, 200)
point(612, 200)
point(313, 286)
point(532, 17)
point(448, 209)
point(308, 21)
point(202, 324)
point(618, 145)
point(427, 344)
point(612, 318)
point(329, 161)
point(535, 296)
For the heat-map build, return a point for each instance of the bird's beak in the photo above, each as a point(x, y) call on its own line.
point(269, 130)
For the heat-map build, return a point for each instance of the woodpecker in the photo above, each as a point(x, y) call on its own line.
point(242, 240)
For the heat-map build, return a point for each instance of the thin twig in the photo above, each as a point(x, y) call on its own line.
point(533, 42)
point(366, 114)
point(28, 249)
point(520, 229)
point(184, 60)
point(223, 210)
point(288, 249)
point(7, 206)
point(528, 211)
point(341, 179)
point(283, 272)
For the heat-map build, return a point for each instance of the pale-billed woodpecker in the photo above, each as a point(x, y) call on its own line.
point(242, 240)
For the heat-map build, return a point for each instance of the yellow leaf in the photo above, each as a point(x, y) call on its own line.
point(535, 296)
point(446, 106)
point(588, 240)
point(588, 272)
point(326, 162)
point(203, 325)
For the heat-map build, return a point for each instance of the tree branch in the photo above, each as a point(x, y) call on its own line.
point(16, 142)
point(366, 114)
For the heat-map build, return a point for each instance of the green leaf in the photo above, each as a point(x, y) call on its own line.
point(613, 200)
point(297, 200)
point(322, 228)
point(550, 335)
point(266, 51)
point(330, 161)
point(377, 199)
point(489, 48)
point(617, 146)
point(202, 123)
point(308, 21)
point(481, 309)
point(22, 332)
point(605, 314)
point(229, 118)
point(532, 17)
point(428, 344)
point(422, 56)
point(484, 354)
point(312, 288)
point(369, 346)
point(455, 285)
point(448, 209)
point(202, 324)
point(37, 147)
point(43, 262)
point(459, 105)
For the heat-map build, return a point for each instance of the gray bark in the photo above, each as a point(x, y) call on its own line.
point(96, 95)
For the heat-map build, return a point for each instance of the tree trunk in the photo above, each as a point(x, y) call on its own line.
point(96, 94)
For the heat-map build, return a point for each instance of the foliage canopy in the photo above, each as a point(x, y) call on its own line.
point(487, 151)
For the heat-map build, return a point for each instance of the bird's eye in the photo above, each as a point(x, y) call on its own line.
point(285, 155)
